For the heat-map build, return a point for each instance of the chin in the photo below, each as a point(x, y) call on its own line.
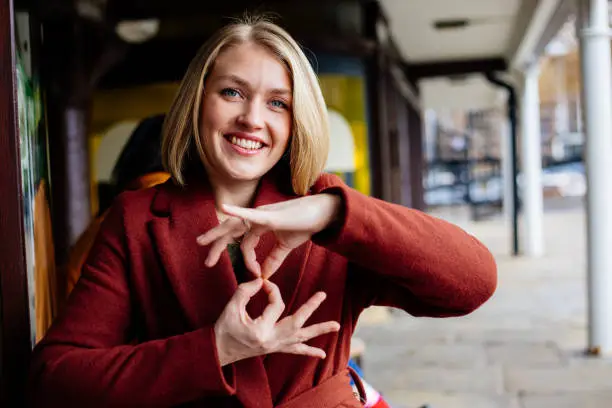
point(245, 174)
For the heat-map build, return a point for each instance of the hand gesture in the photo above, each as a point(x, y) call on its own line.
point(293, 222)
point(238, 336)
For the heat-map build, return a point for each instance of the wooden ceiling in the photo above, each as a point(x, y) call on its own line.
point(334, 26)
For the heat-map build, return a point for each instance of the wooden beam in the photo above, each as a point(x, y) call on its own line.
point(142, 66)
point(139, 9)
point(15, 344)
point(521, 24)
point(452, 68)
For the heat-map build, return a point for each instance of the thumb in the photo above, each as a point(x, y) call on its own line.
point(247, 290)
point(252, 215)
point(275, 259)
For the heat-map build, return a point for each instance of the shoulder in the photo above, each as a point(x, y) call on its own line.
point(139, 205)
point(327, 181)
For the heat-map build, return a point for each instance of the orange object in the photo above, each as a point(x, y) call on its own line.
point(45, 279)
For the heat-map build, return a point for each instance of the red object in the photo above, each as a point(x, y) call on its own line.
point(381, 404)
point(138, 328)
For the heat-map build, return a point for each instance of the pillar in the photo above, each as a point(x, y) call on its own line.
point(593, 30)
point(531, 158)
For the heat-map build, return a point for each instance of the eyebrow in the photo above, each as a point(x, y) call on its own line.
point(245, 84)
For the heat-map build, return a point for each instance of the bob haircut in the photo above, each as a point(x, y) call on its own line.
point(309, 143)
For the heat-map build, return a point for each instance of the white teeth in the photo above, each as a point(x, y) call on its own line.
point(245, 143)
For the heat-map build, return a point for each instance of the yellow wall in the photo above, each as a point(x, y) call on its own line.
point(346, 94)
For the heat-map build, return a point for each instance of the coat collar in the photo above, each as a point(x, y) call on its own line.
point(184, 213)
point(181, 215)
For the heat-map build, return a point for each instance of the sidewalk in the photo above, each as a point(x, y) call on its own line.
point(522, 349)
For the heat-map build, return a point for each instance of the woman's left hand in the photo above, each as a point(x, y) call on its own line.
point(293, 222)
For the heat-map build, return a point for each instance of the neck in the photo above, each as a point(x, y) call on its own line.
point(238, 193)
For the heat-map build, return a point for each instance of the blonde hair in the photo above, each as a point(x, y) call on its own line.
point(309, 143)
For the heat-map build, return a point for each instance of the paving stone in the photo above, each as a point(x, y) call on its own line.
point(486, 380)
point(412, 399)
point(525, 354)
point(452, 356)
point(596, 399)
point(521, 349)
point(558, 379)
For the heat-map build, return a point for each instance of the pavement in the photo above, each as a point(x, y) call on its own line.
point(525, 348)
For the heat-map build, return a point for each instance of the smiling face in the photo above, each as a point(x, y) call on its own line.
point(245, 119)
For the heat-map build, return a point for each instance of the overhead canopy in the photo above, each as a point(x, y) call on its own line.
point(442, 38)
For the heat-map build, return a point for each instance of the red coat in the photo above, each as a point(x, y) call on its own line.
point(138, 328)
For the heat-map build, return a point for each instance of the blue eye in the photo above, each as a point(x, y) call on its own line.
point(279, 104)
point(232, 93)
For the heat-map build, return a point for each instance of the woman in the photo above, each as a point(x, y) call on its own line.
point(164, 315)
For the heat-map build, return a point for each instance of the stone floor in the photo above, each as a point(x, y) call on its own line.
point(523, 349)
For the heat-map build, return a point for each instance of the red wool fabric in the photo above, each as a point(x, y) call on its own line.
point(138, 328)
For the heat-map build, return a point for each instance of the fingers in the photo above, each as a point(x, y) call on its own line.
point(275, 259)
point(304, 350)
point(246, 291)
point(297, 320)
point(275, 308)
point(253, 215)
point(317, 330)
point(216, 250)
point(249, 243)
point(215, 233)
point(220, 237)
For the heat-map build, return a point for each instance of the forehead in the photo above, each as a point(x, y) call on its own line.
point(252, 63)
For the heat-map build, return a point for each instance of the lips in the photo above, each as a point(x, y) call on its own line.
point(245, 144)
point(245, 141)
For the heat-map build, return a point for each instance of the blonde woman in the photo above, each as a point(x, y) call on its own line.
point(238, 283)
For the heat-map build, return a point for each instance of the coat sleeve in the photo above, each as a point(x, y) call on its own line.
point(86, 360)
point(405, 258)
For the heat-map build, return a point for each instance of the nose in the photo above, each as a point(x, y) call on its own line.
point(252, 116)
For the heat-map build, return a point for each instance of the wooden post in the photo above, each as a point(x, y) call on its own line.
point(377, 104)
point(76, 55)
point(67, 103)
point(417, 157)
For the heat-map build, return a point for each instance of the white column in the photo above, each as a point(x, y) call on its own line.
point(531, 159)
point(507, 176)
point(597, 103)
point(562, 118)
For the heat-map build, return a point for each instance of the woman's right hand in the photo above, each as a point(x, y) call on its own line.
point(239, 337)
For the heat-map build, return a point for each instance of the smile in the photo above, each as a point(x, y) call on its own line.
point(245, 143)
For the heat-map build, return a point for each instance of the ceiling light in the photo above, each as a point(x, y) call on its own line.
point(137, 31)
point(451, 24)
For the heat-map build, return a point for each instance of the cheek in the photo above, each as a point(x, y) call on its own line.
point(283, 129)
point(212, 117)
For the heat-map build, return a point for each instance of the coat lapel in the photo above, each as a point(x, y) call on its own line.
point(182, 214)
